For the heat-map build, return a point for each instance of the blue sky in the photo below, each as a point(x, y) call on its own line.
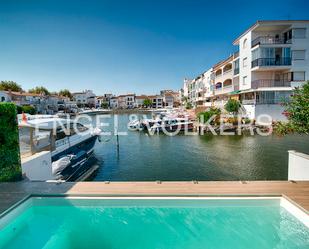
point(124, 46)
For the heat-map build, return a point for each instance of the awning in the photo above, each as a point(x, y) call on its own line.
point(234, 92)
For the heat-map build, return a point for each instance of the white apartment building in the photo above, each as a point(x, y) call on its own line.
point(273, 59)
point(86, 97)
point(157, 101)
point(113, 103)
point(126, 101)
point(139, 100)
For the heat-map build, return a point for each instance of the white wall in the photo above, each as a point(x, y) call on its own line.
point(275, 111)
point(298, 166)
point(301, 44)
point(5, 96)
point(38, 167)
point(250, 111)
point(245, 53)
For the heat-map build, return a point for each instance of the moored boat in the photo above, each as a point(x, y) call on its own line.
point(70, 145)
point(172, 125)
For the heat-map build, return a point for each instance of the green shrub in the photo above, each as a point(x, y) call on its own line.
point(232, 106)
point(189, 105)
point(297, 110)
point(29, 109)
point(205, 116)
point(10, 169)
point(26, 109)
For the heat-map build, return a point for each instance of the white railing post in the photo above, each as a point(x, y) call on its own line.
point(298, 166)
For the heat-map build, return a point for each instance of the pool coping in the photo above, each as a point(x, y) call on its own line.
point(297, 193)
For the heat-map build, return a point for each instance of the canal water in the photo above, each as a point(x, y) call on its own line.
point(142, 157)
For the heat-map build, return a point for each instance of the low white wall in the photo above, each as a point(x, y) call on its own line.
point(250, 111)
point(274, 110)
point(298, 166)
point(38, 167)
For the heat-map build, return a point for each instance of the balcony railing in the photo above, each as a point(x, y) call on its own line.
point(269, 40)
point(262, 62)
point(269, 83)
point(225, 89)
point(236, 54)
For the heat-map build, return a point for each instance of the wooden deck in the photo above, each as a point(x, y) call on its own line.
point(298, 192)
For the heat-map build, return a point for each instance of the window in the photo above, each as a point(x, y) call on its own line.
point(2, 99)
point(244, 45)
point(298, 54)
point(299, 33)
point(245, 62)
point(244, 80)
point(298, 76)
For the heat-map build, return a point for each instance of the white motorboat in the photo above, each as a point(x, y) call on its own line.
point(70, 144)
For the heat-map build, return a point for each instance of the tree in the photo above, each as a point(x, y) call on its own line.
point(104, 105)
point(297, 112)
point(10, 85)
point(65, 93)
point(39, 90)
point(147, 102)
point(232, 106)
point(188, 105)
point(205, 116)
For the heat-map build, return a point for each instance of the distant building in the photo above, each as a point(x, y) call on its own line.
point(4, 96)
point(104, 100)
point(85, 98)
point(139, 100)
point(157, 101)
point(126, 101)
point(170, 98)
point(113, 102)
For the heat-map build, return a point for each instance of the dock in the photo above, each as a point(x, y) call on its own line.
point(297, 192)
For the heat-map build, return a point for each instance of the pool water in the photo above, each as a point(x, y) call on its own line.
point(153, 223)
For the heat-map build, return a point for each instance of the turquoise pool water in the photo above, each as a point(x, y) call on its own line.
point(156, 223)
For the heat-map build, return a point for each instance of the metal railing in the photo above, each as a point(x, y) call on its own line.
point(269, 40)
point(262, 62)
point(269, 83)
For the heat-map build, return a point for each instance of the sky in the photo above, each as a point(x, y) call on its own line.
point(124, 46)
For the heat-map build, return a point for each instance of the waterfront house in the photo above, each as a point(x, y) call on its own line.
point(126, 101)
point(104, 100)
point(113, 103)
point(272, 59)
point(170, 98)
point(4, 96)
point(85, 98)
point(139, 100)
point(157, 101)
point(39, 101)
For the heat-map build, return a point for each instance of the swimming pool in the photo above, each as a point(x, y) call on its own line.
point(137, 222)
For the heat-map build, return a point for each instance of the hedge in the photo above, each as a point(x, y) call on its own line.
point(26, 109)
point(10, 167)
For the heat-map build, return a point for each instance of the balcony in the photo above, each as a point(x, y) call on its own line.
point(226, 89)
point(265, 62)
point(269, 83)
point(269, 40)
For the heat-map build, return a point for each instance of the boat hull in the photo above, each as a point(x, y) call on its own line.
point(82, 161)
